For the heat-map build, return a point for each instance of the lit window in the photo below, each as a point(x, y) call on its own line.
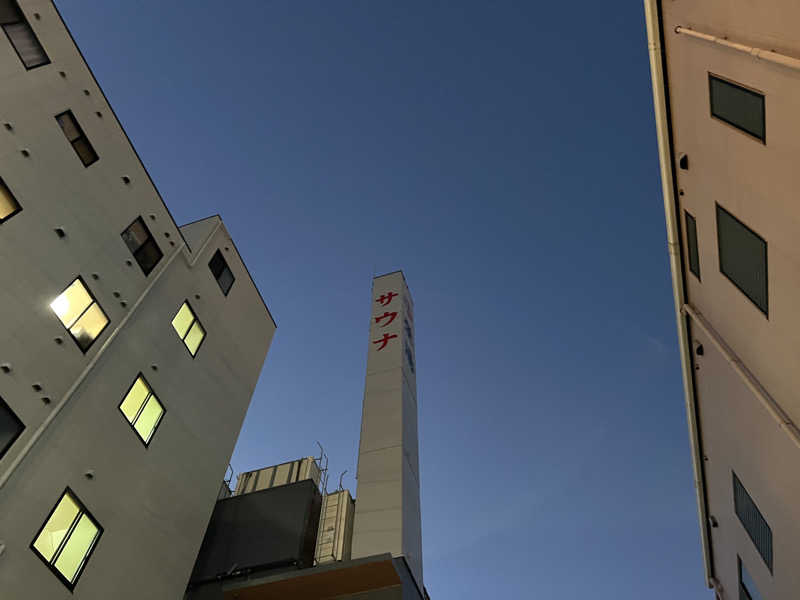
point(79, 312)
point(142, 245)
point(8, 204)
point(747, 587)
point(737, 106)
point(222, 273)
point(77, 138)
point(142, 409)
point(188, 328)
point(66, 540)
point(21, 35)
point(743, 257)
point(691, 242)
point(753, 521)
point(10, 427)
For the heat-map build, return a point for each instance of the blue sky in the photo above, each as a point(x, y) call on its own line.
point(503, 155)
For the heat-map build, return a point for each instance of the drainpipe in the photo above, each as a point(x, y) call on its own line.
point(651, 10)
point(768, 55)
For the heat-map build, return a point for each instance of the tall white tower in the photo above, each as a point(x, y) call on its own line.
point(387, 515)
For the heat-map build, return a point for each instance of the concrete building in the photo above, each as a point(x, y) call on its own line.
point(726, 78)
point(131, 346)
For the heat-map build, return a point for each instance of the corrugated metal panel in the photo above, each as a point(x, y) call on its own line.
point(753, 521)
point(269, 477)
point(335, 537)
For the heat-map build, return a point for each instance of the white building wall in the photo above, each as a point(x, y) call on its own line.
point(152, 502)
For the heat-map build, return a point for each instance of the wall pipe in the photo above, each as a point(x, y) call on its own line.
point(759, 53)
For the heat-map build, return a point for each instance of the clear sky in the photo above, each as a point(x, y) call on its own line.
point(504, 156)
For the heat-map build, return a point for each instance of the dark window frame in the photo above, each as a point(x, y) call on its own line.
point(11, 193)
point(51, 563)
point(81, 136)
point(227, 267)
point(765, 308)
point(150, 238)
point(752, 92)
point(7, 447)
point(768, 560)
point(94, 301)
point(151, 393)
point(690, 245)
point(10, 41)
point(195, 320)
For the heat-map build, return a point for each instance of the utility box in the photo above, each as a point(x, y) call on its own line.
point(335, 537)
point(269, 477)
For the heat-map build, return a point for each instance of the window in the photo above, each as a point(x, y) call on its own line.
point(10, 427)
point(188, 328)
point(66, 540)
point(221, 271)
point(737, 106)
point(142, 245)
point(691, 242)
point(77, 138)
point(142, 409)
point(743, 257)
point(8, 204)
point(79, 312)
point(753, 522)
point(21, 35)
point(747, 587)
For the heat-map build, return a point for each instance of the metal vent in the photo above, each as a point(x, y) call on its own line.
point(753, 521)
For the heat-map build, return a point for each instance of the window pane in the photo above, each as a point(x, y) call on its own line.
point(195, 336)
point(77, 547)
point(135, 235)
point(89, 326)
point(691, 242)
point(217, 264)
point(148, 420)
point(738, 106)
point(748, 584)
point(133, 401)
point(56, 527)
point(10, 427)
point(148, 256)
point(9, 12)
point(71, 303)
point(8, 204)
point(225, 280)
point(27, 45)
point(743, 257)
point(68, 125)
point(85, 151)
point(183, 320)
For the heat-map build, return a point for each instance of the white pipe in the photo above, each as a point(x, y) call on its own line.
point(68, 395)
point(676, 268)
point(768, 55)
point(774, 409)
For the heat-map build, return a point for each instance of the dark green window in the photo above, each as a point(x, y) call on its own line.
point(691, 242)
point(737, 106)
point(753, 521)
point(743, 257)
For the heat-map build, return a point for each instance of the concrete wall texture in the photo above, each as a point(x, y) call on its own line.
point(756, 182)
point(154, 501)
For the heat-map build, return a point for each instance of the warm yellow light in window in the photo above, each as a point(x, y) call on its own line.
point(149, 418)
point(56, 527)
point(8, 204)
point(134, 400)
point(183, 320)
point(77, 547)
point(71, 303)
point(89, 325)
point(194, 337)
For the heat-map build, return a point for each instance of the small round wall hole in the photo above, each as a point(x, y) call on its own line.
point(45, 399)
point(60, 232)
point(25, 152)
point(8, 126)
point(58, 340)
point(64, 75)
point(166, 234)
point(129, 263)
point(116, 294)
point(123, 304)
point(37, 387)
point(154, 367)
point(85, 92)
point(95, 276)
point(99, 114)
point(197, 296)
point(126, 180)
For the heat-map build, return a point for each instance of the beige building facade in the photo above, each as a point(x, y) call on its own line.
point(130, 346)
point(726, 79)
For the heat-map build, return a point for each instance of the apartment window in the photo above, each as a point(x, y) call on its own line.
point(142, 245)
point(747, 587)
point(8, 203)
point(80, 313)
point(66, 540)
point(77, 138)
point(743, 257)
point(10, 427)
point(222, 273)
point(691, 242)
point(737, 106)
point(21, 36)
point(188, 328)
point(754, 523)
point(142, 409)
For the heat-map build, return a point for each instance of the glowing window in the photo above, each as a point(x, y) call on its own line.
point(66, 540)
point(142, 409)
point(188, 328)
point(8, 203)
point(79, 312)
